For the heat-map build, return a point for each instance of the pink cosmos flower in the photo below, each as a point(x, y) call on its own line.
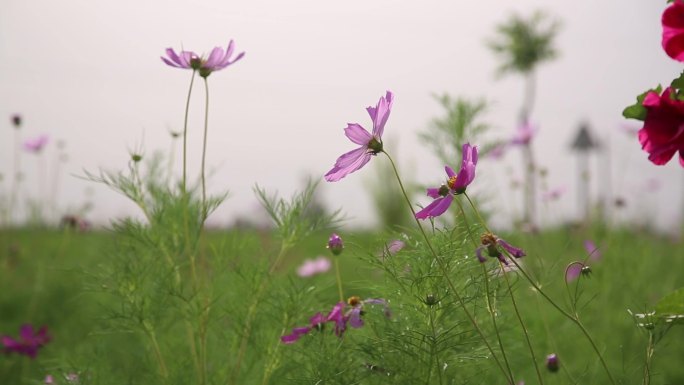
point(371, 144)
point(455, 184)
point(663, 133)
point(673, 30)
point(28, 342)
point(335, 244)
point(311, 267)
point(218, 59)
point(49, 380)
point(491, 243)
point(575, 269)
point(524, 135)
point(36, 145)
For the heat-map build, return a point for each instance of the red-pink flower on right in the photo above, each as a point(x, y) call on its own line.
point(663, 133)
point(673, 30)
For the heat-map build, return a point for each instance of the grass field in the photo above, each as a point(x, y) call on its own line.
point(55, 278)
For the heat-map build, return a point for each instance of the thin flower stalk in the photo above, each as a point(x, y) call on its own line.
point(506, 372)
point(204, 149)
point(574, 318)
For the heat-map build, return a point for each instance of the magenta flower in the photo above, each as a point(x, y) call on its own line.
point(673, 30)
point(354, 315)
point(552, 362)
point(392, 248)
point(575, 269)
point(456, 184)
point(491, 243)
point(218, 59)
point(311, 267)
point(371, 144)
point(553, 194)
point(524, 135)
point(29, 341)
point(49, 380)
point(36, 145)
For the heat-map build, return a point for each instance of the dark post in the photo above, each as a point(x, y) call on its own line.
point(582, 145)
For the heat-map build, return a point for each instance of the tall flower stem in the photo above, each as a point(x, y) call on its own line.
point(185, 135)
point(490, 306)
point(572, 317)
point(339, 279)
point(506, 373)
point(204, 148)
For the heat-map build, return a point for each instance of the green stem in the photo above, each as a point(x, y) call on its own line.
point(204, 149)
point(650, 348)
point(522, 324)
point(185, 135)
point(157, 352)
point(446, 274)
point(339, 279)
point(574, 318)
point(490, 307)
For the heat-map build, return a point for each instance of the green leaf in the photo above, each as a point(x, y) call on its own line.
point(637, 110)
point(670, 308)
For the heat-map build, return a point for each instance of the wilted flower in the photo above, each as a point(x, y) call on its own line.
point(455, 184)
point(371, 144)
point(16, 120)
point(575, 269)
point(28, 342)
point(552, 362)
point(491, 243)
point(673, 30)
point(218, 59)
point(335, 244)
point(37, 144)
point(312, 267)
point(524, 134)
point(662, 135)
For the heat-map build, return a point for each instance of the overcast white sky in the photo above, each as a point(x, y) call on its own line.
point(88, 73)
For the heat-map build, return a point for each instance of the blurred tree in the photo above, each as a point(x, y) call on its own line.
point(522, 44)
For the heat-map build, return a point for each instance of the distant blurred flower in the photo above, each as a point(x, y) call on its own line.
point(593, 251)
point(524, 135)
point(456, 184)
point(37, 144)
point(498, 151)
point(218, 59)
point(629, 129)
point(16, 120)
point(28, 342)
point(552, 362)
point(673, 30)
point(553, 194)
point(663, 132)
point(354, 315)
point(371, 144)
point(311, 267)
point(491, 243)
point(335, 244)
point(653, 184)
point(392, 248)
point(49, 380)
point(72, 377)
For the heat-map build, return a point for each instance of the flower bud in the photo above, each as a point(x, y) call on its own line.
point(16, 120)
point(552, 362)
point(335, 244)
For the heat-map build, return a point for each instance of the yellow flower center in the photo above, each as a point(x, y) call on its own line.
point(452, 182)
point(354, 300)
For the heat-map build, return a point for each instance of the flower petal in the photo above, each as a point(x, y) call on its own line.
point(355, 318)
point(514, 251)
point(348, 163)
point(436, 208)
point(357, 134)
point(380, 113)
point(433, 192)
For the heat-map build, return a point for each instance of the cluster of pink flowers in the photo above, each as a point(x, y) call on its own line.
point(341, 315)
